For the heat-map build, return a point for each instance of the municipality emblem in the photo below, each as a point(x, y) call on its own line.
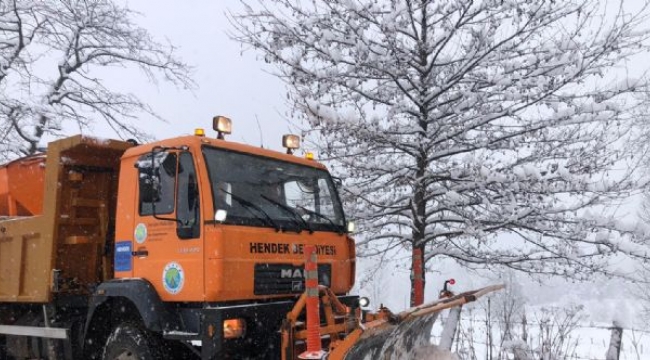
point(173, 278)
point(140, 233)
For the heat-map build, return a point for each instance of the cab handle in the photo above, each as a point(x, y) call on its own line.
point(140, 253)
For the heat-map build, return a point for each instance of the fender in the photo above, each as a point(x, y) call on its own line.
point(153, 311)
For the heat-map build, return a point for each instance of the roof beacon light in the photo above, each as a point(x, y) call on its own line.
point(291, 142)
point(309, 155)
point(222, 125)
point(199, 132)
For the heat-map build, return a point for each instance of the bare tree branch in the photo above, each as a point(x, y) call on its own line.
point(456, 124)
point(79, 37)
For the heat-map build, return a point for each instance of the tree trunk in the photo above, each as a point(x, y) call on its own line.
point(419, 208)
point(417, 276)
point(615, 343)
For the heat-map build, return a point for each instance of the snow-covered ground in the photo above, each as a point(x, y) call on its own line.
point(600, 302)
point(589, 340)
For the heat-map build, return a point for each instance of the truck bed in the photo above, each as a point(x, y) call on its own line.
point(64, 249)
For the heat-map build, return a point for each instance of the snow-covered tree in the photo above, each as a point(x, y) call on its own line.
point(49, 54)
point(492, 132)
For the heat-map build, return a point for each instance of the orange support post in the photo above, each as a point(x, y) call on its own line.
point(314, 346)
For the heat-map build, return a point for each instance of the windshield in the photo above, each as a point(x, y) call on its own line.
point(261, 191)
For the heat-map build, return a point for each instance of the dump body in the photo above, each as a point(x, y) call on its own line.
point(22, 186)
point(58, 211)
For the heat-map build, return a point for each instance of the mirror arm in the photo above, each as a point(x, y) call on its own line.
point(166, 219)
point(338, 182)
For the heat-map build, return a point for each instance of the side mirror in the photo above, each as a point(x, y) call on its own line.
point(192, 193)
point(149, 187)
point(187, 232)
point(337, 182)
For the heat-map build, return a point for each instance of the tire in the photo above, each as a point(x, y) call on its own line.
point(3, 349)
point(178, 351)
point(131, 342)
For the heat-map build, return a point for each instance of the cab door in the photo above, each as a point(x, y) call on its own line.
point(167, 240)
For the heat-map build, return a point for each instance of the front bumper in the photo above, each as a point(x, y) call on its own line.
point(261, 340)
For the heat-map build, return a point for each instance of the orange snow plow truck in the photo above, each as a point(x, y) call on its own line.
point(187, 248)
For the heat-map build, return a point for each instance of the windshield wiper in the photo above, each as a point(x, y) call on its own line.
point(248, 205)
point(317, 214)
point(290, 211)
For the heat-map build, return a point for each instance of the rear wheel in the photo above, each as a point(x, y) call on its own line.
point(131, 342)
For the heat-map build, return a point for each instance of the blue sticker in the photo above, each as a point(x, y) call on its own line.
point(123, 257)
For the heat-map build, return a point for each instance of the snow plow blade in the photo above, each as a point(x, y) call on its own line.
point(381, 335)
point(406, 335)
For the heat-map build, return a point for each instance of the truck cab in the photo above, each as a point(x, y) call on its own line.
point(208, 220)
point(217, 230)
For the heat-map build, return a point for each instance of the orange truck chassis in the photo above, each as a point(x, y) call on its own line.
point(190, 247)
point(186, 248)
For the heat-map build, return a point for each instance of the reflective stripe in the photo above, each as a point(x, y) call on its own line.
point(312, 292)
point(314, 344)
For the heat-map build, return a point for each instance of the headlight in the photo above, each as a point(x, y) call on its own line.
point(364, 302)
point(222, 125)
point(234, 328)
point(290, 141)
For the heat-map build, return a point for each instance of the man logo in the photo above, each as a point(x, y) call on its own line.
point(296, 286)
point(291, 274)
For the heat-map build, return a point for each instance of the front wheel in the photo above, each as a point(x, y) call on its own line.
point(131, 342)
point(3, 348)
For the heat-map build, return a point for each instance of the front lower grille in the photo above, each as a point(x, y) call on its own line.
point(275, 279)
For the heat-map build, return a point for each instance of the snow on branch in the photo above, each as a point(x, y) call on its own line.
point(49, 53)
point(458, 124)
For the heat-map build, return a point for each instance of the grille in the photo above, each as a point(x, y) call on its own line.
point(274, 279)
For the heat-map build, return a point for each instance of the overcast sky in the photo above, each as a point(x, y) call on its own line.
point(229, 82)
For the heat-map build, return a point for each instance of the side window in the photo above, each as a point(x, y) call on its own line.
point(325, 197)
point(156, 182)
point(187, 199)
